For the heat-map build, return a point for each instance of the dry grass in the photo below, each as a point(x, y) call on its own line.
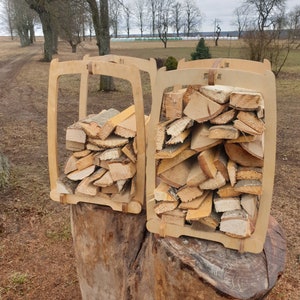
point(37, 260)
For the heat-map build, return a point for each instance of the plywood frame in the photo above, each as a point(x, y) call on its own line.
point(262, 81)
point(102, 66)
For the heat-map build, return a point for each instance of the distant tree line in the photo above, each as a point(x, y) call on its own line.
point(261, 23)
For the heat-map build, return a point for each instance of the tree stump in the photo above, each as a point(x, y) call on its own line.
point(118, 259)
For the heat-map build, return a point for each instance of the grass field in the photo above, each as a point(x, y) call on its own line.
point(36, 254)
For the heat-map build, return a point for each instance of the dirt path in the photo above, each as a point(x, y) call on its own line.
point(36, 257)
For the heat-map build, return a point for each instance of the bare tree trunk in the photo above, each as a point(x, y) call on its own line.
point(45, 18)
point(101, 26)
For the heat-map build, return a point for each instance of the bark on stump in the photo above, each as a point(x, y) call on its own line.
point(118, 259)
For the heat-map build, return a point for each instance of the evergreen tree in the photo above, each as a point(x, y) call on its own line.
point(202, 51)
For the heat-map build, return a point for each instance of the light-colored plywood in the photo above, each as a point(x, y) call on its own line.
point(126, 68)
point(244, 75)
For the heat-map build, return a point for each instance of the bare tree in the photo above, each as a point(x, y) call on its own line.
point(152, 4)
point(241, 15)
point(115, 7)
point(69, 21)
point(177, 20)
point(140, 13)
point(293, 21)
point(43, 8)
point(163, 20)
point(127, 16)
point(100, 18)
point(7, 16)
point(261, 28)
point(192, 17)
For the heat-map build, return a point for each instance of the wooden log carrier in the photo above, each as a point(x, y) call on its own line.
point(116, 256)
point(116, 66)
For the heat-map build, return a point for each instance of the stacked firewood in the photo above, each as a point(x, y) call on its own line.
point(104, 154)
point(210, 154)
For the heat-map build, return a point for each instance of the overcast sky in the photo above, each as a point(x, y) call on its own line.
point(212, 11)
point(223, 11)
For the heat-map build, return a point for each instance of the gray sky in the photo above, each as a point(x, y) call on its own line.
point(223, 11)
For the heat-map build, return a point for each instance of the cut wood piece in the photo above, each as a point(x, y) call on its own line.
point(236, 223)
point(93, 147)
point(213, 183)
point(91, 129)
point(189, 193)
point(179, 138)
point(212, 221)
point(65, 186)
point(255, 148)
point(97, 174)
point(121, 169)
point(238, 124)
point(127, 128)
point(253, 187)
point(223, 132)
point(109, 154)
point(176, 216)
point(101, 118)
point(194, 204)
point(74, 146)
point(201, 212)
point(85, 162)
point(173, 104)
point(224, 117)
point(201, 109)
point(220, 162)
point(200, 140)
point(232, 169)
point(111, 124)
point(244, 138)
point(80, 174)
point(116, 187)
point(166, 164)
point(217, 93)
point(129, 152)
point(249, 173)
point(239, 155)
point(245, 100)
point(251, 119)
point(228, 191)
point(87, 188)
point(111, 142)
point(70, 164)
point(173, 150)
point(111, 189)
point(161, 134)
point(226, 204)
point(75, 134)
point(250, 204)
point(196, 175)
point(177, 175)
point(178, 126)
point(162, 193)
point(79, 154)
point(188, 92)
point(164, 206)
point(206, 162)
point(104, 181)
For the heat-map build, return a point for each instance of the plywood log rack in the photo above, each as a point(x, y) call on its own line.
point(198, 73)
point(138, 254)
point(116, 66)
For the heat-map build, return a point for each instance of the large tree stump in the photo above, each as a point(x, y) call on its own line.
point(118, 259)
